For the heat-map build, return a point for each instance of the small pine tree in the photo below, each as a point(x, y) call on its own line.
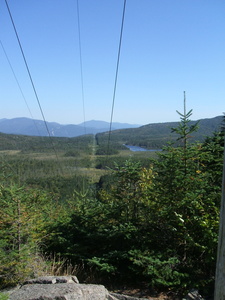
point(183, 129)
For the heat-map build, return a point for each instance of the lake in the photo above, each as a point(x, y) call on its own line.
point(137, 148)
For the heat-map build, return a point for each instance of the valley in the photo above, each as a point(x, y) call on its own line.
point(110, 215)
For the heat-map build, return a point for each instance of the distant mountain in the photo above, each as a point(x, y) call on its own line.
point(156, 135)
point(105, 125)
point(26, 126)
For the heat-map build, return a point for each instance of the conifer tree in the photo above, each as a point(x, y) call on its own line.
point(184, 130)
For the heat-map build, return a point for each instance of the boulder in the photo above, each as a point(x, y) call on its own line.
point(63, 288)
point(60, 291)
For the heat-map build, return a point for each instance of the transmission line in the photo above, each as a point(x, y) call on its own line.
point(19, 86)
point(116, 75)
point(27, 67)
point(81, 63)
point(31, 80)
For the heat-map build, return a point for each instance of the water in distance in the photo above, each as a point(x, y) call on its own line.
point(137, 148)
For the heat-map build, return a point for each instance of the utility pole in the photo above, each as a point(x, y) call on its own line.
point(219, 293)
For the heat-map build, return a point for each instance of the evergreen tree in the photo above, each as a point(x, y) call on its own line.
point(25, 217)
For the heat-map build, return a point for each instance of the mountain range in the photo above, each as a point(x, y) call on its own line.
point(27, 126)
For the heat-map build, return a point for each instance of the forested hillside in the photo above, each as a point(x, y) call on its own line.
point(155, 136)
point(31, 143)
point(109, 215)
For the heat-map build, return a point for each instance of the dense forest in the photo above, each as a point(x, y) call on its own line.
point(91, 207)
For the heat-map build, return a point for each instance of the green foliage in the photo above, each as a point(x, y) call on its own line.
point(109, 162)
point(128, 191)
point(103, 150)
point(184, 129)
point(25, 216)
point(157, 135)
point(157, 223)
point(4, 296)
point(44, 144)
point(190, 191)
point(101, 265)
point(62, 187)
point(152, 219)
point(106, 147)
point(72, 153)
point(159, 272)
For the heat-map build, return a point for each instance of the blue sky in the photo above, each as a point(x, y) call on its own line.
point(168, 47)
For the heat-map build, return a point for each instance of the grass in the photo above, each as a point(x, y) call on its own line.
point(4, 296)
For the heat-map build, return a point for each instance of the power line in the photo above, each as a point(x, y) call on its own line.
point(27, 67)
point(18, 84)
point(31, 80)
point(81, 63)
point(116, 76)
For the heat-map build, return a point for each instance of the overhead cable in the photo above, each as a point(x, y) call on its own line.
point(27, 67)
point(19, 86)
point(31, 80)
point(81, 63)
point(116, 75)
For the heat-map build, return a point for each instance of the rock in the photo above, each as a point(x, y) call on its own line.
point(52, 280)
point(63, 288)
point(125, 297)
point(60, 291)
point(193, 295)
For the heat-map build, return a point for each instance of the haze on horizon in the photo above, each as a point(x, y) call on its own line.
point(168, 47)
